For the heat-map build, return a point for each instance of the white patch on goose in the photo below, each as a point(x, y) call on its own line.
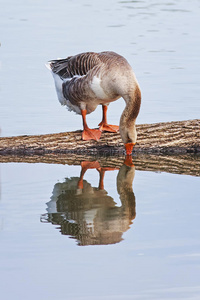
point(97, 89)
point(59, 90)
point(72, 107)
point(48, 65)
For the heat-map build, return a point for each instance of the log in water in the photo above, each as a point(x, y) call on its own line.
point(179, 137)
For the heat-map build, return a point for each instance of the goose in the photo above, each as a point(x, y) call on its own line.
point(89, 214)
point(89, 79)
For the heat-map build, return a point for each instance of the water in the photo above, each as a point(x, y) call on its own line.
point(138, 238)
point(150, 242)
point(160, 39)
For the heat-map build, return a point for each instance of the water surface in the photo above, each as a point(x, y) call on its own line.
point(135, 234)
point(132, 234)
point(160, 39)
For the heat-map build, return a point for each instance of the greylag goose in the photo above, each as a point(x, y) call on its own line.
point(89, 79)
point(88, 214)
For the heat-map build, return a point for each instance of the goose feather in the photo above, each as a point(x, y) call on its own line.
point(86, 80)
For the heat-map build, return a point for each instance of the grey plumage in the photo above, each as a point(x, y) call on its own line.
point(82, 63)
point(89, 79)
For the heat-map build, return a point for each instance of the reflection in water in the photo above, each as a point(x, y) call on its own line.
point(88, 213)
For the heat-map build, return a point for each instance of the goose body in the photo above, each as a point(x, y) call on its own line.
point(89, 79)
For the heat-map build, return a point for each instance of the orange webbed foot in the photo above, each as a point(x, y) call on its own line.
point(91, 134)
point(85, 165)
point(108, 127)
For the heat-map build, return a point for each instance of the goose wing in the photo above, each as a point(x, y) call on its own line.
point(71, 66)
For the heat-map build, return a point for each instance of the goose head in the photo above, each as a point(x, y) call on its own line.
point(127, 126)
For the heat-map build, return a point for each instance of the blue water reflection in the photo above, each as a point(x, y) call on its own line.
point(158, 257)
point(88, 214)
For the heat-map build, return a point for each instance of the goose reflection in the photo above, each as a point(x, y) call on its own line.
point(88, 214)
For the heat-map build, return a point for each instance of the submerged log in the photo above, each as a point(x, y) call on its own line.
point(161, 138)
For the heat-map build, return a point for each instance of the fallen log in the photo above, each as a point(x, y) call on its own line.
point(179, 137)
point(188, 164)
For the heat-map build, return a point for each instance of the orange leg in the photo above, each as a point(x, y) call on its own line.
point(101, 184)
point(89, 134)
point(104, 126)
point(102, 174)
point(85, 165)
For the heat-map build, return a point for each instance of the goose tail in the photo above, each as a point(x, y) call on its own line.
point(49, 65)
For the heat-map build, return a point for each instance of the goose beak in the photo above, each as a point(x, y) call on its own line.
point(129, 148)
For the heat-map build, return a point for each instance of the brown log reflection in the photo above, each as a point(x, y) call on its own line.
point(88, 214)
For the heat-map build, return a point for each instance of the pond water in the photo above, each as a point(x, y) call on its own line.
point(160, 39)
point(138, 235)
point(116, 233)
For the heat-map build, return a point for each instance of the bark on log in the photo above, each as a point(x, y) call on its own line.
point(177, 164)
point(161, 138)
